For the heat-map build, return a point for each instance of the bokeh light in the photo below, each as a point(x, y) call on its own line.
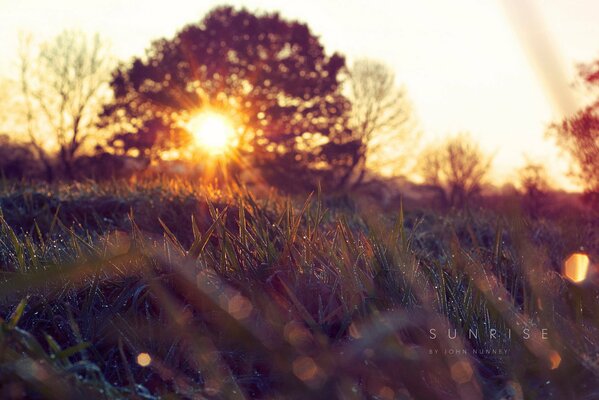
point(144, 359)
point(461, 372)
point(576, 267)
point(555, 359)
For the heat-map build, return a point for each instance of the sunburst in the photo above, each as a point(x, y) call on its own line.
point(213, 132)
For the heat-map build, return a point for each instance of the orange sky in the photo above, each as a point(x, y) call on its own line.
point(497, 68)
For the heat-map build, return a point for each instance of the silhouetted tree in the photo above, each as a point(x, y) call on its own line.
point(458, 166)
point(381, 120)
point(579, 135)
point(63, 86)
point(534, 184)
point(269, 75)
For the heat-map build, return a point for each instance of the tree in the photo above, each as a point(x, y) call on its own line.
point(381, 119)
point(579, 135)
point(534, 184)
point(269, 75)
point(457, 166)
point(63, 85)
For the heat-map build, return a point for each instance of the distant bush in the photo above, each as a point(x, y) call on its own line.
point(17, 160)
point(103, 166)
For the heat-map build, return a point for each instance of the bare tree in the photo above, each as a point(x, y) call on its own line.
point(534, 184)
point(458, 166)
point(381, 119)
point(29, 110)
point(533, 178)
point(63, 84)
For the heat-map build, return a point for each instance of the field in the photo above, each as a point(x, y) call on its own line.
point(161, 289)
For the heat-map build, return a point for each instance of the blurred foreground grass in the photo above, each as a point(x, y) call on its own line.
point(164, 290)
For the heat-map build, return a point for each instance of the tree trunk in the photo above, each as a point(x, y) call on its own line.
point(359, 159)
point(66, 163)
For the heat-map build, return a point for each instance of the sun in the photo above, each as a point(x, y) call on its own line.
point(212, 132)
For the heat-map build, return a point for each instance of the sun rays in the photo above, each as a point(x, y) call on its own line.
point(213, 132)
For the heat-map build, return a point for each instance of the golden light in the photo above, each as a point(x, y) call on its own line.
point(576, 267)
point(144, 359)
point(212, 132)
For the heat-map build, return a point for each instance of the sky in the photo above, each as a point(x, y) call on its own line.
point(499, 69)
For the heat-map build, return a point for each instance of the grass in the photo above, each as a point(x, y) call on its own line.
point(236, 297)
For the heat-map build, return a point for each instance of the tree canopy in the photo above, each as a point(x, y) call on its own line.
point(271, 76)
